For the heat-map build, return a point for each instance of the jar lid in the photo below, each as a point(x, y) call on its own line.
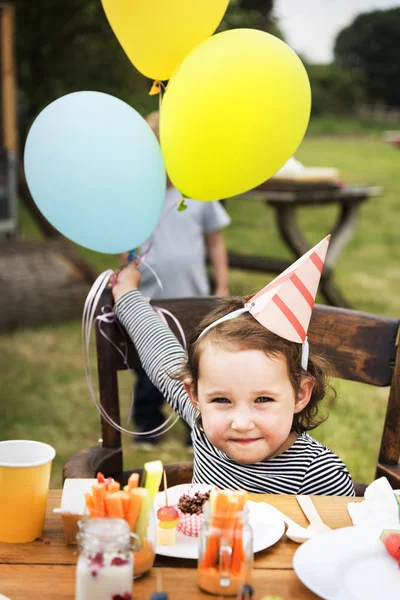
point(106, 532)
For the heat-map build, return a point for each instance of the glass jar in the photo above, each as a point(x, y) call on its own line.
point(146, 531)
point(105, 564)
point(225, 555)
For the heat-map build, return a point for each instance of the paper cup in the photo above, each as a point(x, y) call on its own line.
point(25, 468)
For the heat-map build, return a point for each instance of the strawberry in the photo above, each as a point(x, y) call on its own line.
point(100, 477)
point(117, 561)
point(391, 539)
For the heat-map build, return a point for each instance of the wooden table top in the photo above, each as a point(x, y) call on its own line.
point(45, 569)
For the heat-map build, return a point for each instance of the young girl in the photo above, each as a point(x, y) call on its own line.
point(245, 394)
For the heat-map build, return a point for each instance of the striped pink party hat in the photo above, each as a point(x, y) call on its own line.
point(284, 306)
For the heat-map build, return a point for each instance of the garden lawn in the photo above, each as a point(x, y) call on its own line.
point(43, 391)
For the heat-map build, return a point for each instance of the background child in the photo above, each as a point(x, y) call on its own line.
point(178, 254)
point(245, 396)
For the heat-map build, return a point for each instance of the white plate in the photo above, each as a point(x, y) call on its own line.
point(348, 564)
point(267, 527)
point(3, 597)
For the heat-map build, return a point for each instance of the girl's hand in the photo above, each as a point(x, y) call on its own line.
point(128, 279)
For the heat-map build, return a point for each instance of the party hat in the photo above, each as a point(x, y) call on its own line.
point(284, 306)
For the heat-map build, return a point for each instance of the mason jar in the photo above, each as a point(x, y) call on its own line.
point(225, 554)
point(105, 564)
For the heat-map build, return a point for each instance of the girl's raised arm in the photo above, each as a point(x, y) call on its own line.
point(159, 351)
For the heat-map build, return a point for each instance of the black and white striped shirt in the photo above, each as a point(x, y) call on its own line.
point(307, 467)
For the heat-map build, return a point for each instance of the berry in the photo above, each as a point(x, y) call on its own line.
point(117, 561)
point(100, 477)
point(97, 560)
point(167, 513)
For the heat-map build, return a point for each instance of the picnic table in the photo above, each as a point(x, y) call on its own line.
point(45, 569)
point(285, 196)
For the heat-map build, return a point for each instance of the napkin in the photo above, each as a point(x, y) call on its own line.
point(291, 167)
point(379, 506)
point(73, 506)
point(73, 496)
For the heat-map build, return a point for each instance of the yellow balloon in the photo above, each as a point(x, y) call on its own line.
point(157, 34)
point(234, 112)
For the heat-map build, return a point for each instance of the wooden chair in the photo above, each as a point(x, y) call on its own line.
point(361, 347)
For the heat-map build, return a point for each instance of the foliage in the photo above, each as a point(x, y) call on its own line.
point(64, 47)
point(256, 14)
point(372, 44)
point(335, 90)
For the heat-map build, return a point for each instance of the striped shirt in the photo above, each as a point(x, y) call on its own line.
point(307, 467)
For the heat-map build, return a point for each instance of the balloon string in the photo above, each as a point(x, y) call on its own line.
point(108, 317)
point(158, 280)
point(110, 277)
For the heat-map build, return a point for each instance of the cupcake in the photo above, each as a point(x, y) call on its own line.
point(190, 509)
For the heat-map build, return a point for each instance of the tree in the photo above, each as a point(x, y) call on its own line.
point(68, 46)
point(372, 44)
point(257, 14)
point(335, 90)
point(64, 47)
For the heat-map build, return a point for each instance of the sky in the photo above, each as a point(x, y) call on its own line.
point(311, 26)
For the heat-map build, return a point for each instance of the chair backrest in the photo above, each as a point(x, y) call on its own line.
point(361, 347)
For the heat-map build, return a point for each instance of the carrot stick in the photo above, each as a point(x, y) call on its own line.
point(133, 481)
point(114, 505)
point(238, 556)
point(136, 496)
point(90, 504)
point(220, 508)
point(227, 533)
point(99, 493)
point(237, 550)
point(125, 502)
point(114, 486)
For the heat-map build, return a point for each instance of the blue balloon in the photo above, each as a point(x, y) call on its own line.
point(95, 170)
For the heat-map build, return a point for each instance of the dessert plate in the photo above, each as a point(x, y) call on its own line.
point(268, 528)
point(348, 564)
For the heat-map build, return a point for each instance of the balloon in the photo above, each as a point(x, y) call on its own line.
point(157, 34)
point(234, 112)
point(95, 170)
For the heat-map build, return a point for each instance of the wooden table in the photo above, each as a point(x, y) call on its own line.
point(285, 198)
point(45, 570)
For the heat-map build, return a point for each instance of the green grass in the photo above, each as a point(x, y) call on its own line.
point(43, 391)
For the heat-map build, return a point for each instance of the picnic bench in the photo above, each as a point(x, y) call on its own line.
point(285, 196)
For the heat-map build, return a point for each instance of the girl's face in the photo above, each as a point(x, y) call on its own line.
point(247, 402)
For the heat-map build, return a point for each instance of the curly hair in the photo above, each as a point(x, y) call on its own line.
point(246, 333)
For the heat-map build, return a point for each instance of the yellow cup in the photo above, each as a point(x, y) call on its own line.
point(25, 468)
